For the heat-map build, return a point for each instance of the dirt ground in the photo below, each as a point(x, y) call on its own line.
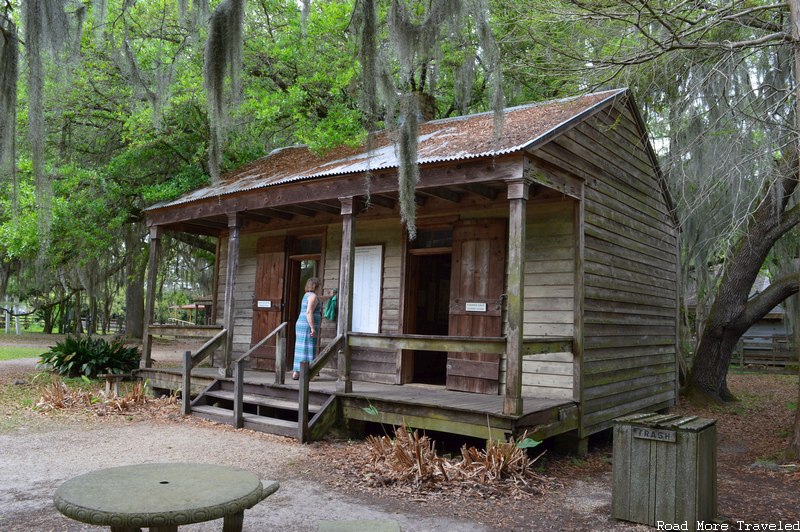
point(331, 480)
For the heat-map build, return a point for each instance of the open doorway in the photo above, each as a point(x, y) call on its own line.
point(428, 303)
point(304, 263)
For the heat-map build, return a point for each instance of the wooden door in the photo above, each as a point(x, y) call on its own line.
point(476, 288)
point(268, 298)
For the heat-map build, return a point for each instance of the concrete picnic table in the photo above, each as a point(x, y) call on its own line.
point(162, 496)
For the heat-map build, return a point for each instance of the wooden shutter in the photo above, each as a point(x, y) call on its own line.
point(476, 289)
point(367, 289)
point(268, 301)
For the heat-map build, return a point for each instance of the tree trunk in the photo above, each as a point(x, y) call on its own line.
point(47, 314)
point(794, 443)
point(708, 378)
point(732, 312)
point(77, 326)
point(134, 291)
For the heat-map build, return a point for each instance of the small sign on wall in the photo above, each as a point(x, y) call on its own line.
point(644, 433)
point(472, 306)
point(264, 304)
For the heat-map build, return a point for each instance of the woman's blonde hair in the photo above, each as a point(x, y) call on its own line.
point(312, 284)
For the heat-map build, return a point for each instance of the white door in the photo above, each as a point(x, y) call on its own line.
point(367, 289)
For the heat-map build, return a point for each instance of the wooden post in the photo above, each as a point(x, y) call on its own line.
point(186, 391)
point(578, 230)
point(238, 395)
point(515, 295)
point(346, 266)
point(302, 407)
point(234, 222)
point(150, 303)
point(280, 357)
point(211, 313)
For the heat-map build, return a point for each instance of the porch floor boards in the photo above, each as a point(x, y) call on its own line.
point(425, 406)
point(412, 394)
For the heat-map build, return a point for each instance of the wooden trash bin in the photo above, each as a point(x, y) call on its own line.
point(665, 470)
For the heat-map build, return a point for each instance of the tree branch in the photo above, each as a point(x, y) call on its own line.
point(195, 241)
point(776, 293)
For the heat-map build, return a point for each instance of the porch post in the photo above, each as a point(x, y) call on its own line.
point(234, 223)
point(345, 320)
point(150, 302)
point(515, 295)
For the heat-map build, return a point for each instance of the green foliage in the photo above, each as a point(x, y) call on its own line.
point(528, 443)
point(88, 356)
point(19, 235)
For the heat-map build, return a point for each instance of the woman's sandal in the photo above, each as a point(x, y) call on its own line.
point(295, 376)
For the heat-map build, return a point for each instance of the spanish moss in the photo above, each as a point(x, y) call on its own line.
point(223, 54)
point(183, 10)
point(99, 8)
point(368, 57)
point(46, 30)
point(9, 74)
point(491, 63)
point(79, 16)
point(417, 38)
point(304, 12)
point(408, 173)
point(164, 75)
point(417, 31)
point(202, 12)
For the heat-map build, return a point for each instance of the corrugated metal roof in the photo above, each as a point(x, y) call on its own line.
point(451, 139)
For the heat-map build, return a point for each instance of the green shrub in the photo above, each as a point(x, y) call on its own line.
point(85, 355)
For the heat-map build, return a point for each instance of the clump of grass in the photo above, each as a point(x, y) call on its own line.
point(8, 352)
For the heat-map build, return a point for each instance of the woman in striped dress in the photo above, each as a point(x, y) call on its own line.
point(308, 324)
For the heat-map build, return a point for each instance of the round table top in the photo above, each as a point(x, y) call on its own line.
point(158, 494)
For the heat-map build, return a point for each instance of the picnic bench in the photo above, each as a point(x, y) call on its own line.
point(113, 380)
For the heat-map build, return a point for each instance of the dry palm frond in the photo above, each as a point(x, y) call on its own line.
point(56, 394)
point(499, 461)
point(409, 458)
point(412, 460)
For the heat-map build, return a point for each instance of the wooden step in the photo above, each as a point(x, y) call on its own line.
point(214, 413)
point(270, 425)
point(262, 400)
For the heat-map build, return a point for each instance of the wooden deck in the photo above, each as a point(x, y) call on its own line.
point(418, 406)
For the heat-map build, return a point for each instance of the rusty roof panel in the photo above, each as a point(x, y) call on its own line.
point(450, 139)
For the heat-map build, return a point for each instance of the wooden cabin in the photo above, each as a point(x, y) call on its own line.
point(539, 294)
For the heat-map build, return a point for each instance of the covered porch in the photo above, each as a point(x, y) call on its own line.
point(418, 406)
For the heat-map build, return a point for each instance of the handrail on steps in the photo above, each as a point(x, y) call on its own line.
point(192, 361)
point(308, 372)
point(238, 370)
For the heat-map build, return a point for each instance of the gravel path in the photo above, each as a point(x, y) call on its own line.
point(36, 459)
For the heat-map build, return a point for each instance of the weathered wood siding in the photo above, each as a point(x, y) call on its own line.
point(630, 273)
point(243, 291)
point(548, 375)
point(373, 365)
point(549, 296)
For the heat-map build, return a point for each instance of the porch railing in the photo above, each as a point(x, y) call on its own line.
point(183, 331)
point(456, 344)
point(191, 361)
point(308, 372)
point(238, 370)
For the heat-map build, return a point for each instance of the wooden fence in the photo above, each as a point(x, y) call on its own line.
point(778, 351)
